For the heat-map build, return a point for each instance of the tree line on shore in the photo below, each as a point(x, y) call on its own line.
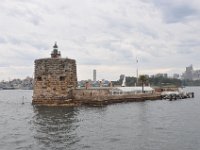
point(156, 81)
point(143, 80)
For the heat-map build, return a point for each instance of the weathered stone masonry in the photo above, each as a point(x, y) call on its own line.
point(55, 78)
point(55, 83)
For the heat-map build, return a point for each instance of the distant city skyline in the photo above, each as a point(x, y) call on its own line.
point(191, 74)
point(105, 35)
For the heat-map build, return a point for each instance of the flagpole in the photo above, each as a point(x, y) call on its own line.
point(136, 71)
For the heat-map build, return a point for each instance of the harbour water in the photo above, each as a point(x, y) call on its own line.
point(149, 125)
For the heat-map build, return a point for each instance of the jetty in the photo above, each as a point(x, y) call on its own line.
point(104, 96)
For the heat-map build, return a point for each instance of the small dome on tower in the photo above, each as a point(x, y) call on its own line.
point(55, 53)
point(55, 45)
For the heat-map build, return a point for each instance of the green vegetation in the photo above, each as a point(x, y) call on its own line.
point(143, 79)
point(156, 81)
point(163, 81)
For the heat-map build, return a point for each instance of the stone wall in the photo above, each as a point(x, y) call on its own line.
point(104, 96)
point(90, 94)
point(54, 79)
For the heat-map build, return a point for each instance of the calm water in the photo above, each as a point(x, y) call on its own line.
point(150, 125)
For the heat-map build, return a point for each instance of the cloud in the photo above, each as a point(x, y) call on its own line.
point(177, 11)
point(2, 40)
point(22, 11)
point(101, 34)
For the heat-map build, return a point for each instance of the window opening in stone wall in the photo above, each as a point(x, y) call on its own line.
point(39, 78)
point(62, 78)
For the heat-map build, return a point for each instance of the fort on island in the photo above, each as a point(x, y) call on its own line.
point(55, 84)
point(54, 78)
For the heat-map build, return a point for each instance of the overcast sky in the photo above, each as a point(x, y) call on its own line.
point(106, 35)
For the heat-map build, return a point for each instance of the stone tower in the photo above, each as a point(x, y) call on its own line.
point(54, 79)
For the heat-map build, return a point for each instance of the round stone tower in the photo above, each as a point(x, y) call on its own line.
point(54, 79)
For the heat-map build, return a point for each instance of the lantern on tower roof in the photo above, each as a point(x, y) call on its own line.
point(55, 53)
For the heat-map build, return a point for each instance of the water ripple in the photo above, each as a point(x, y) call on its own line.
point(150, 125)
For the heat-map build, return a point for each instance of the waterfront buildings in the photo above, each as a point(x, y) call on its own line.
point(191, 74)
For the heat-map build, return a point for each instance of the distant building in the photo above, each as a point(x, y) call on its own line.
point(103, 83)
point(121, 77)
point(176, 76)
point(94, 75)
point(164, 75)
point(191, 74)
point(196, 75)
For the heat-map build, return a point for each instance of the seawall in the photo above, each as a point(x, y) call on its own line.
point(105, 96)
point(95, 97)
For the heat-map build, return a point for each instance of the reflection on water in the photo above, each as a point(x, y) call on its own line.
point(150, 125)
point(55, 127)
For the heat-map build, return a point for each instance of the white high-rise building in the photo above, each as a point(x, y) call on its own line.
point(94, 75)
